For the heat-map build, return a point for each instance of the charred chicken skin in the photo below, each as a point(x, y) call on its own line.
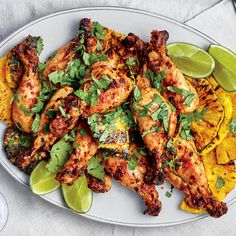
point(29, 86)
point(85, 148)
point(134, 178)
point(53, 124)
point(157, 124)
point(159, 61)
point(188, 175)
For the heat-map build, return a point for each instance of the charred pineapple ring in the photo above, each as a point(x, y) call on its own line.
point(225, 152)
point(213, 128)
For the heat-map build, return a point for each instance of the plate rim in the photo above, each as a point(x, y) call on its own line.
point(112, 8)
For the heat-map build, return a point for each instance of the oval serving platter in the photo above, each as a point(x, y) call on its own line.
point(120, 205)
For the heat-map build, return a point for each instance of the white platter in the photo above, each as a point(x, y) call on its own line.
point(120, 205)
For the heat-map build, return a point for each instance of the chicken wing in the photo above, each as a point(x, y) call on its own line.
point(133, 178)
point(29, 87)
point(85, 148)
point(185, 171)
point(159, 61)
point(157, 124)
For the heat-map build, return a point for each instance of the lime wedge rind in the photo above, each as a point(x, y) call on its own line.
point(78, 196)
point(42, 181)
point(225, 70)
point(191, 60)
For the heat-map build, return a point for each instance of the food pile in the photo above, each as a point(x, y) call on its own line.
point(111, 106)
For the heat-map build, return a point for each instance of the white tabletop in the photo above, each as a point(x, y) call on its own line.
point(30, 215)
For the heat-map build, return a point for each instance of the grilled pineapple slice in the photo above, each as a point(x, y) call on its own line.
point(221, 178)
point(225, 152)
point(5, 94)
point(111, 131)
point(212, 129)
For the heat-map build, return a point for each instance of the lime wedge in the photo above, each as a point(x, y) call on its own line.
point(225, 69)
point(191, 60)
point(78, 196)
point(42, 181)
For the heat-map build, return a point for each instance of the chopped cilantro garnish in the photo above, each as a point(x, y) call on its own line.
point(172, 163)
point(95, 168)
point(169, 144)
point(130, 61)
point(132, 162)
point(70, 137)
point(99, 46)
point(189, 96)
point(14, 97)
point(232, 126)
point(58, 155)
point(35, 124)
point(41, 66)
point(38, 106)
point(137, 94)
point(83, 95)
point(220, 182)
point(98, 31)
point(168, 194)
point(82, 132)
point(63, 113)
point(156, 79)
point(25, 110)
point(154, 129)
point(25, 140)
point(39, 47)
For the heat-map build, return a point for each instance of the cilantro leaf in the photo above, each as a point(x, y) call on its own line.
point(99, 46)
point(98, 30)
point(35, 124)
point(232, 126)
point(153, 129)
point(41, 66)
point(83, 95)
point(132, 162)
point(14, 97)
point(95, 168)
point(39, 47)
point(130, 61)
point(63, 113)
point(137, 94)
point(25, 110)
point(156, 79)
point(58, 156)
point(168, 194)
point(25, 140)
point(189, 96)
point(38, 106)
point(220, 183)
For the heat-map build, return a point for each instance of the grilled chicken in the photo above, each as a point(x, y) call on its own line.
point(85, 148)
point(186, 172)
point(59, 61)
point(29, 87)
point(134, 179)
point(112, 93)
point(98, 185)
point(157, 124)
point(59, 117)
point(159, 61)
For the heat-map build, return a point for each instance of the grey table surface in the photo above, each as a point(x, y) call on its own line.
point(30, 215)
